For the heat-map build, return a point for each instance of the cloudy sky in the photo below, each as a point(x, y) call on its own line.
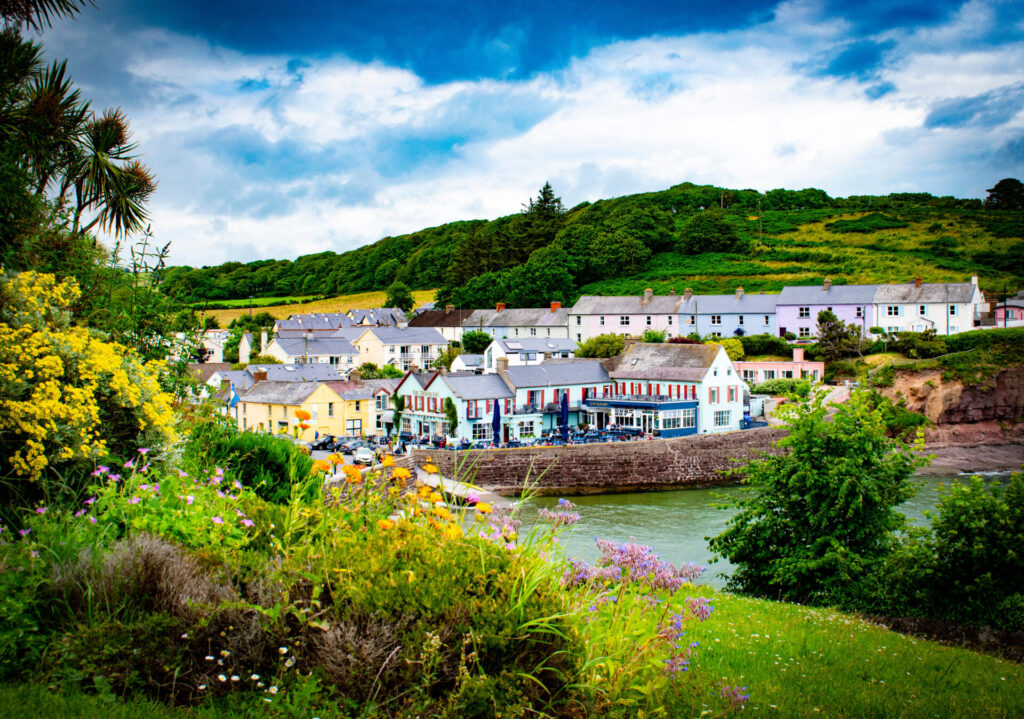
point(280, 129)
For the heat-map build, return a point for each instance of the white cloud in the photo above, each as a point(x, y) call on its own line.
point(738, 108)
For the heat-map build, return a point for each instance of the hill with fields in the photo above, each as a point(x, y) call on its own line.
point(707, 238)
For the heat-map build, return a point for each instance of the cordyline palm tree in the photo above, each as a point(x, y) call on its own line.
point(37, 14)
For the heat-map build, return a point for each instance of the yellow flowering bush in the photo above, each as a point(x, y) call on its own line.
point(66, 395)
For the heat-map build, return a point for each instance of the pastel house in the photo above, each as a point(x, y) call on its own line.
point(797, 368)
point(797, 308)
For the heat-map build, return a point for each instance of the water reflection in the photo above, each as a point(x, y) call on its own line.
point(676, 524)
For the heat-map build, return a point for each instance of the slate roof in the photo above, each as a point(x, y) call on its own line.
point(204, 370)
point(476, 386)
point(408, 335)
point(440, 318)
point(350, 390)
point(558, 373)
point(687, 363)
point(944, 292)
point(730, 304)
point(836, 295)
point(300, 346)
point(239, 378)
point(626, 305)
point(537, 344)
point(378, 315)
point(471, 360)
point(314, 321)
point(523, 317)
point(270, 392)
point(376, 385)
point(316, 372)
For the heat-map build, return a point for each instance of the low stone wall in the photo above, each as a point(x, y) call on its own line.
point(659, 464)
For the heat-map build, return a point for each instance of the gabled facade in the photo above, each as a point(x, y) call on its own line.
point(316, 349)
point(539, 389)
point(378, 317)
point(527, 351)
point(313, 322)
point(448, 321)
point(503, 323)
point(947, 308)
point(474, 396)
point(797, 368)
point(797, 308)
point(594, 315)
point(335, 407)
point(400, 347)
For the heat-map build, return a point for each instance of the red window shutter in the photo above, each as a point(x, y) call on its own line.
point(657, 388)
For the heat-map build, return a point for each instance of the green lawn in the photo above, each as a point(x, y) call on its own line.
point(257, 301)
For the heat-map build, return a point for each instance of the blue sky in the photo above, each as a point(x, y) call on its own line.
point(276, 131)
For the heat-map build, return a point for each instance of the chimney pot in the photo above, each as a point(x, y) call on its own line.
point(556, 306)
point(798, 354)
point(739, 292)
point(648, 294)
point(687, 294)
point(354, 376)
point(260, 376)
point(448, 309)
point(500, 306)
point(672, 292)
point(502, 365)
point(917, 281)
point(828, 283)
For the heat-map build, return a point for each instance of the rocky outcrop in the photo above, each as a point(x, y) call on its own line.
point(999, 398)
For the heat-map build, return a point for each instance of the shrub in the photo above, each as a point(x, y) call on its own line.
point(920, 345)
point(655, 336)
point(823, 513)
point(268, 464)
point(765, 344)
point(733, 347)
point(475, 342)
point(983, 339)
point(607, 345)
point(872, 222)
point(798, 388)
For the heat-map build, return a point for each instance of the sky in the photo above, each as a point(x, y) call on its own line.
point(282, 129)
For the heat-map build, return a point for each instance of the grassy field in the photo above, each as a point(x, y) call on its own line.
point(794, 662)
point(257, 301)
point(341, 303)
point(807, 253)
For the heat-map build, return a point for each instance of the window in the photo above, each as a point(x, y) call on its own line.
point(892, 311)
point(602, 320)
point(732, 394)
point(750, 375)
point(648, 320)
point(713, 395)
point(533, 331)
point(382, 401)
point(353, 427)
point(804, 332)
point(579, 320)
point(357, 405)
point(623, 320)
point(860, 311)
point(330, 409)
point(892, 328)
point(805, 312)
point(579, 337)
point(482, 430)
point(716, 334)
point(716, 319)
point(689, 417)
point(284, 411)
point(769, 374)
point(526, 429)
point(952, 310)
point(922, 310)
point(673, 418)
point(723, 418)
point(670, 320)
point(549, 331)
point(741, 319)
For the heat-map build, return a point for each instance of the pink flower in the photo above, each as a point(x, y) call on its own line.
point(238, 485)
point(182, 474)
point(239, 512)
point(189, 499)
point(143, 450)
point(144, 486)
point(41, 510)
point(80, 512)
point(247, 522)
point(92, 519)
point(24, 532)
point(102, 470)
point(217, 520)
point(156, 488)
point(129, 464)
point(115, 477)
point(472, 498)
point(219, 471)
point(220, 493)
point(89, 501)
point(145, 467)
point(134, 500)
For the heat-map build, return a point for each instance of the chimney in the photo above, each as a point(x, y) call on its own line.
point(263, 341)
point(974, 280)
point(648, 294)
point(354, 376)
point(500, 306)
point(828, 283)
point(739, 293)
point(917, 281)
point(627, 342)
point(556, 306)
point(798, 354)
point(448, 309)
point(672, 292)
point(224, 384)
point(687, 294)
point(502, 365)
point(259, 376)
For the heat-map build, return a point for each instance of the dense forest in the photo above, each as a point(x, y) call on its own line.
point(709, 237)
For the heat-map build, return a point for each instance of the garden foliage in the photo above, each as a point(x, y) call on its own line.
point(787, 387)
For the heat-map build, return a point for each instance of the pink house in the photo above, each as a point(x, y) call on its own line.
point(757, 372)
point(1011, 312)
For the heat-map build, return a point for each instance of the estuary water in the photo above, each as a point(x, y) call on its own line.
point(676, 523)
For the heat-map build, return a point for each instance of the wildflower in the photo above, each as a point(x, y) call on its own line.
point(115, 477)
point(185, 635)
point(80, 512)
point(442, 513)
point(182, 474)
point(189, 499)
point(400, 473)
point(282, 650)
point(134, 500)
point(273, 689)
point(235, 678)
point(302, 415)
point(385, 524)
point(430, 469)
point(102, 470)
point(217, 520)
point(225, 653)
point(145, 487)
point(255, 677)
point(247, 523)
point(435, 498)
point(452, 531)
point(238, 485)
point(221, 678)
point(700, 607)
point(89, 501)
point(389, 461)
point(41, 510)
point(219, 471)
point(472, 498)
point(290, 663)
point(92, 519)
point(321, 465)
point(145, 467)
point(129, 464)
point(483, 508)
point(143, 450)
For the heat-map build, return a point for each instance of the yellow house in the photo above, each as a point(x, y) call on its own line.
point(336, 407)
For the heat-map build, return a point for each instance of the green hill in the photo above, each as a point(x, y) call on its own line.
point(660, 240)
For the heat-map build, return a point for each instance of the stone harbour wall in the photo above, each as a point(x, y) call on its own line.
point(658, 464)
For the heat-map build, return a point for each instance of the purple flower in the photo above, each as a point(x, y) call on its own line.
point(89, 501)
point(182, 474)
point(239, 512)
point(734, 694)
point(700, 607)
point(24, 532)
point(219, 471)
point(92, 519)
point(134, 500)
point(80, 512)
point(144, 486)
point(145, 467)
point(40, 510)
point(565, 504)
point(247, 522)
point(103, 470)
point(143, 450)
point(472, 498)
point(115, 477)
point(129, 464)
point(189, 499)
point(238, 485)
point(220, 493)
point(156, 488)
point(217, 520)
point(96, 473)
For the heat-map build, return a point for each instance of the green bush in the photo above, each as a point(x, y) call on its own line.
point(920, 345)
point(607, 345)
point(765, 344)
point(872, 222)
point(983, 339)
point(799, 388)
point(268, 464)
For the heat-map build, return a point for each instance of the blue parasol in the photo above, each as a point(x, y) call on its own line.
point(563, 416)
point(496, 423)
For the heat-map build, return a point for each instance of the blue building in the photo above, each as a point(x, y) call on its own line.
point(728, 315)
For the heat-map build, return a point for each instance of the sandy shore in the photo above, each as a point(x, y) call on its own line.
point(978, 458)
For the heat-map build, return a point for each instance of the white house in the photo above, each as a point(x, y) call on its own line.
point(947, 308)
point(632, 315)
point(313, 349)
point(527, 351)
point(524, 322)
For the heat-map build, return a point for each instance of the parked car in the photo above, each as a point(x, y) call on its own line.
point(364, 455)
point(324, 442)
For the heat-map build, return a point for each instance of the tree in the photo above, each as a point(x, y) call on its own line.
point(210, 323)
point(607, 345)
point(475, 342)
point(39, 14)
point(819, 515)
point(368, 370)
point(733, 347)
point(451, 413)
point(399, 402)
point(836, 339)
point(655, 336)
point(446, 356)
point(399, 296)
point(541, 220)
point(1008, 194)
point(708, 231)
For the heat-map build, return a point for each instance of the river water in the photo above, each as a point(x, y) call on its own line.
point(676, 523)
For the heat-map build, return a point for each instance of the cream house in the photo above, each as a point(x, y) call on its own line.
point(400, 347)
